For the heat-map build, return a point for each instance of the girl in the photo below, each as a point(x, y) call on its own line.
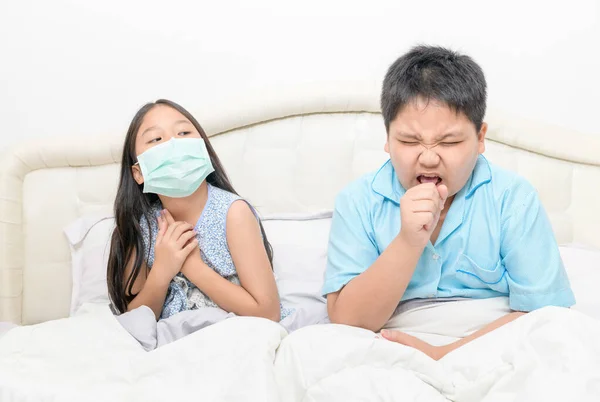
point(184, 239)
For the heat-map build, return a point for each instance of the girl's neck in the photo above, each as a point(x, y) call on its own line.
point(187, 209)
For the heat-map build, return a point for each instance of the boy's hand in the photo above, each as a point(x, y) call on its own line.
point(420, 209)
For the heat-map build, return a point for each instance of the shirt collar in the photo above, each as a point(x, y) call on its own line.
point(386, 183)
point(482, 174)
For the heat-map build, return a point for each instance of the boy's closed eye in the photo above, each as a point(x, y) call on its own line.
point(445, 144)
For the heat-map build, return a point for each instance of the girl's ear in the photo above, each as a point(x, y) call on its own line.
point(137, 174)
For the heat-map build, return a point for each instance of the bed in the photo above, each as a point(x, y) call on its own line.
point(289, 151)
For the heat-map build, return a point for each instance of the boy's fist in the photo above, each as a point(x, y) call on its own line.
point(420, 209)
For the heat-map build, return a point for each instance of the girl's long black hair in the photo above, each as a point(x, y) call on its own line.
point(131, 204)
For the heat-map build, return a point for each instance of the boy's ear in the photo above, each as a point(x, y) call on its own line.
point(386, 147)
point(481, 137)
point(137, 174)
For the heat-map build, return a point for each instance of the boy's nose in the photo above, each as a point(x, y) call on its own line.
point(429, 157)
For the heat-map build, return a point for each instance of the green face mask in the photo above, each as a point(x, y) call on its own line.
point(175, 168)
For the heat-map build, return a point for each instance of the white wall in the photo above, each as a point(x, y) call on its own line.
point(74, 67)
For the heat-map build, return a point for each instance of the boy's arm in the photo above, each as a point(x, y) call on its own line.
point(535, 272)
point(363, 287)
point(369, 300)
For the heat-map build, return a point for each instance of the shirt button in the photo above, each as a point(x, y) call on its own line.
point(435, 256)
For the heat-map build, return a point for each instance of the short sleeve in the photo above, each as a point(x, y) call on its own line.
point(536, 275)
point(352, 248)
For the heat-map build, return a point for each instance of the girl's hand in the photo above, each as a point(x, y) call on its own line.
point(193, 262)
point(174, 242)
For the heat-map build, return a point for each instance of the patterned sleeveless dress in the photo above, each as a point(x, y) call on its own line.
point(211, 234)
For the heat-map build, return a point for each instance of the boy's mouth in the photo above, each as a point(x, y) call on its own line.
point(422, 179)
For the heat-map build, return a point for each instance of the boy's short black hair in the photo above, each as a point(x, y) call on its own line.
point(435, 73)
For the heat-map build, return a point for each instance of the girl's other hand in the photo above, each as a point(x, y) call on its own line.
point(174, 242)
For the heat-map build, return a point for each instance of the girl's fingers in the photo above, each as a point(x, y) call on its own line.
point(169, 217)
point(181, 228)
point(184, 238)
point(172, 227)
point(190, 247)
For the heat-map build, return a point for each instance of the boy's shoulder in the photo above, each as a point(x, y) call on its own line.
point(511, 191)
point(506, 182)
point(373, 192)
point(362, 190)
point(359, 187)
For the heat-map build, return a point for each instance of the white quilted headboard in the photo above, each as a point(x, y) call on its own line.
point(286, 151)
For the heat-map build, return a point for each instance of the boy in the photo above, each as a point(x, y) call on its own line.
point(438, 220)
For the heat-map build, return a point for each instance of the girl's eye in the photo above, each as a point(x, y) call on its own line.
point(157, 139)
point(184, 133)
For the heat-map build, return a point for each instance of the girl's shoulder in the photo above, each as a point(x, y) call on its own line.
point(221, 201)
point(221, 196)
point(219, 205)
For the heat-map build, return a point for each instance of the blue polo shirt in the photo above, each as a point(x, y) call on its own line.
point(496, 240)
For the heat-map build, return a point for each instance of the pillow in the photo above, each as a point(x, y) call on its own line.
point(299, 256)
point(299, 244)
point(89, 240)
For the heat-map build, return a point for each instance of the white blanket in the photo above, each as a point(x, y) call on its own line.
point(552, 354)
point(91, 357)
